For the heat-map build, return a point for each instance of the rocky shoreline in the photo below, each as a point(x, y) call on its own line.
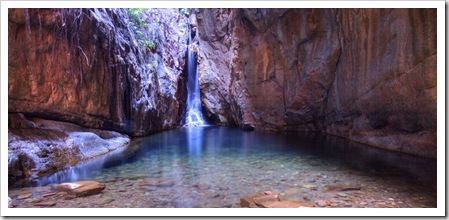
point(39, 147)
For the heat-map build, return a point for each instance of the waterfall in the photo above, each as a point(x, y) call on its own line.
point(194, 110)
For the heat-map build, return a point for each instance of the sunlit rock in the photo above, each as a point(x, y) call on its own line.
point(46, 146)
point(81, 188)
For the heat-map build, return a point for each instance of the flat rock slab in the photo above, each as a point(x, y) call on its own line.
point(286, 204)
point(266, 198)
point(48, 194)
point(270, 200)
point(248, 200)
point(341, 188)
point(80, 188)
point(45, 204)
point(24, 196)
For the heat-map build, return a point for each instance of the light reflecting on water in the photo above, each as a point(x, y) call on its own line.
point(216, 165)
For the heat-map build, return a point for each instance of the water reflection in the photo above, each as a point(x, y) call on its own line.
point(83, 170)
point(215, 154)
point(194, 140)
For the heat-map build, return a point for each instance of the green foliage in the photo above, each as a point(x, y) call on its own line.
point(147, 44)
point(135, 14)
point(137, 24)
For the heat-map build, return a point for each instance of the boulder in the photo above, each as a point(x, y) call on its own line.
point(80, 188)
point(45, 147)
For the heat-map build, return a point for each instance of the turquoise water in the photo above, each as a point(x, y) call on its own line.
point(215, 166)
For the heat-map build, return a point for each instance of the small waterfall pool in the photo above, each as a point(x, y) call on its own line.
point(215, 166)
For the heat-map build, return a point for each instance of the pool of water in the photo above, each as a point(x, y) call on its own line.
point(216, 166)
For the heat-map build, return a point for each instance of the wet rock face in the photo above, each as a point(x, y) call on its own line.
point(38, 147)
point(88, 67)
point(365, 74)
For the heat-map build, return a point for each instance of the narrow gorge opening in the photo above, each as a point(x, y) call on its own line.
point(307, 108)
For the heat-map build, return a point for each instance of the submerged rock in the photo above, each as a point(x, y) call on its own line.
point(202, 186)
point(341, 188)
point(270, 200)
point(322, 203)
point(247, 127)
point(24, 196)
point(106, 201)
point(157, 182)
point(81, 188)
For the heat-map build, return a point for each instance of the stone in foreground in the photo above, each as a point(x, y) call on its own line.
point(45, 204)
point(286, 204)
point(341, 188)
point(270, 200)
point(81, 188)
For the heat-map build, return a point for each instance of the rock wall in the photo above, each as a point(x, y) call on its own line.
point(88, 67)
point(38, 147)
point(365, 74)
point(91, 73)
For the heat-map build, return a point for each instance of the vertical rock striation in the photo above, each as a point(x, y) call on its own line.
point(92, 73)
point(365, 74)
point(87, 66)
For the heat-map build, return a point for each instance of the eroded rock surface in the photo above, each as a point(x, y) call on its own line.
point(365, 74)
point(39, 147)
point(95, 69)
point(91, 68)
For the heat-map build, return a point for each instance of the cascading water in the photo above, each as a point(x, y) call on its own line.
point(194, 110)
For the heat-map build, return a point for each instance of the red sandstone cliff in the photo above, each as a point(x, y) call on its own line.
point(365, 74)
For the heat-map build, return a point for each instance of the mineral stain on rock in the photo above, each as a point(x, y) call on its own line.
point(323, 70)
point(84, 82)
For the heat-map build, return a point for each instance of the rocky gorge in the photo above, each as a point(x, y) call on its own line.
point(85, 82)
point(95, 68)
point(368, 75)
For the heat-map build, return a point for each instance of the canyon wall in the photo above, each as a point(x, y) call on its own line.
point(77, 77)
point(364, 74)
point(89, 67)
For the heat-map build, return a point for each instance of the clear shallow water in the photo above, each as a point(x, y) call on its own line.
point(215, 166)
